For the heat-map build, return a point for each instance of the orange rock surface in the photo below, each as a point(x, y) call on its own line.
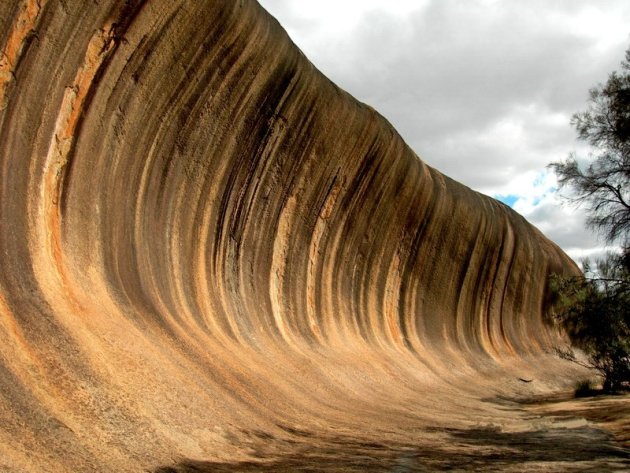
point(210, 252)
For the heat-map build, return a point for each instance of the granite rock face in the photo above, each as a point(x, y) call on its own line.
point(209, 251)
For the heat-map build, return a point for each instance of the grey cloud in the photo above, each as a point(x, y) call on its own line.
point(565, 228)
point(435, 79)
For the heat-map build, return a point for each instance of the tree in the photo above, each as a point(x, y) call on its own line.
point(595, 312)
point(604, 186)
point(594, 309)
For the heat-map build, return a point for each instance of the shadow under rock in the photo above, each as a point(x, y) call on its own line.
point(481, 449)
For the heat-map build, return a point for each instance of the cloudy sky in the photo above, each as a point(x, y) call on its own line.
point(482, 90)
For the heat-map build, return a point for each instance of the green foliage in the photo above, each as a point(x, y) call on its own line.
point(604, 185)
point(585, 388)
point(595, 312)
point(594, 309)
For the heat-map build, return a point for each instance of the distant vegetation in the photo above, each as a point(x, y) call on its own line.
point(594, 309)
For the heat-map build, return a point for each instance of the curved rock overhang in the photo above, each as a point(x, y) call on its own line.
point(203, 238)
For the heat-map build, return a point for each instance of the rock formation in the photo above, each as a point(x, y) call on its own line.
point(210, 252)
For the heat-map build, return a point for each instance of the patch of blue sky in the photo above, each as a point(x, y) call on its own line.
point(508, 200)
point(540, 179)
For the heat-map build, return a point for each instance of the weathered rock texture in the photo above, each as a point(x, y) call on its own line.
point(211, 252)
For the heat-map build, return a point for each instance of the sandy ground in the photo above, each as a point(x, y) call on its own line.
point(560, 434)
